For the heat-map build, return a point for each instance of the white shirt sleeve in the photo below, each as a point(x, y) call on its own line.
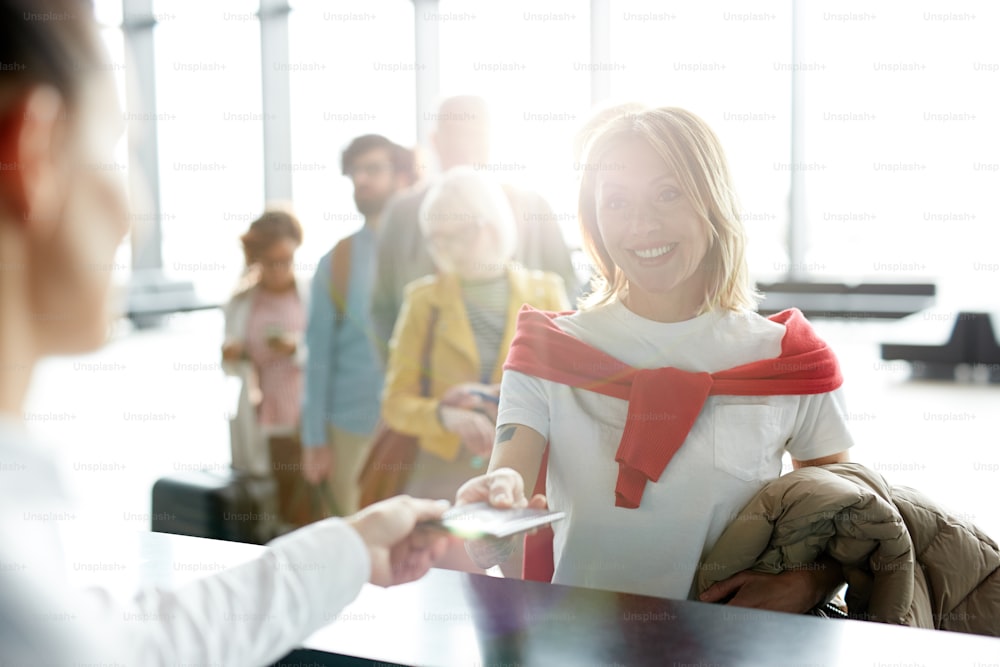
point(820, 427)
point(524, 400)
point(251, 614)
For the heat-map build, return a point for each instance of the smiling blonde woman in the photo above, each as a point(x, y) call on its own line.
point(666, 402)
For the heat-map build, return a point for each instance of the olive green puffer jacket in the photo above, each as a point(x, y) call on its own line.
point(906, 559)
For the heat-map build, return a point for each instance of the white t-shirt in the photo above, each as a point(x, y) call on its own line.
point(251, 614)
point(733, 449)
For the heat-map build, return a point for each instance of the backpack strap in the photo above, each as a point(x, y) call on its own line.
point(340, 275)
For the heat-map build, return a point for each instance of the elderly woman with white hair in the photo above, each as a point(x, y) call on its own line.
point(460, 320)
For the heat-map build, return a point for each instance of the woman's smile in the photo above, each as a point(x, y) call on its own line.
point(654, 255)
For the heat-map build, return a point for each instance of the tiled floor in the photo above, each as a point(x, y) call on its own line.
point(152, 403)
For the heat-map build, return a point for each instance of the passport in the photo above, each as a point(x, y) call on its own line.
point(478, 520)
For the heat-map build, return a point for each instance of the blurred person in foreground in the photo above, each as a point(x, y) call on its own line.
point(61, 213)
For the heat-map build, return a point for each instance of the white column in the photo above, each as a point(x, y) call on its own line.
point(426, 55)
point(798, 236)
point(600, 50)
point(276, 98)
point(140, 106)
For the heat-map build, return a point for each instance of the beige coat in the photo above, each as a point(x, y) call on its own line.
point(906, 560)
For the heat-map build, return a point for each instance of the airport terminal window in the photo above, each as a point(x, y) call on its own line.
point(352, 75)
point(729, 63)
point(901, 181)
point(208, 88)
point(109, 17)
point(887, 175)
point(525, 58)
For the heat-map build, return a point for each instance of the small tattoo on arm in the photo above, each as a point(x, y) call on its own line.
point(505, 433)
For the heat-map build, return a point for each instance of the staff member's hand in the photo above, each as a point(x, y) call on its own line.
point(398, 549)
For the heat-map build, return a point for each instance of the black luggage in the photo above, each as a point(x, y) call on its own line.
point(221, 505)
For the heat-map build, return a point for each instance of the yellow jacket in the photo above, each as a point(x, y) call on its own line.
point(454, 358)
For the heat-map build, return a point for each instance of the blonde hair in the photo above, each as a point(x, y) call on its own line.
point(691, 149)
point(466, 194)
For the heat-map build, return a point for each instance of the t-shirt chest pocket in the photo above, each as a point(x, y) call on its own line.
point(606, 418)
point(748, 440)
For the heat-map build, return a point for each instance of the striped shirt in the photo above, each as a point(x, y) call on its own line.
point(486, 305)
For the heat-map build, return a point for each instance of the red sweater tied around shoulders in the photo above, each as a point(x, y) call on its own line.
point(541, 349)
